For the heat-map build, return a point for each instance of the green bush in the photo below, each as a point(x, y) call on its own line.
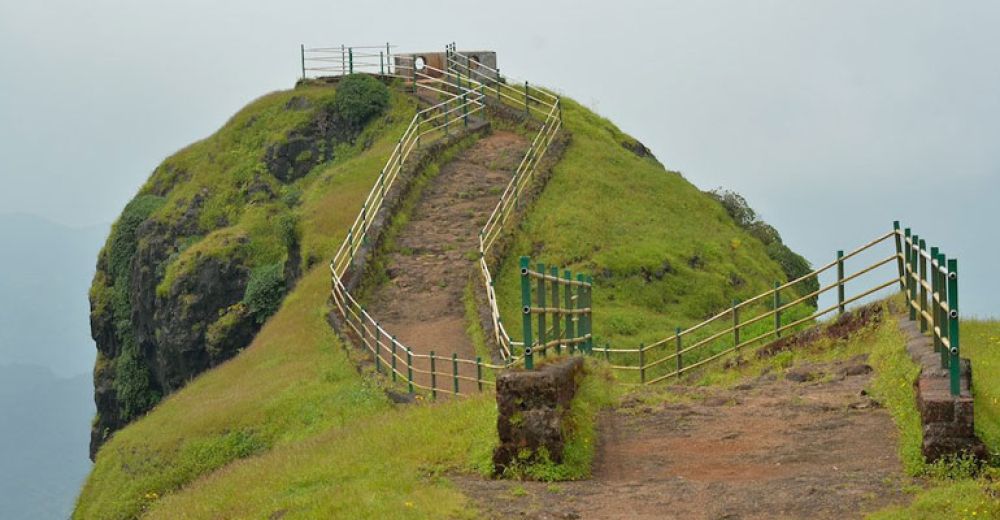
point(359, 98)
point(132, 383)
point(122, 243)
point(264, 291)
point(288, 229)
point(792, 264)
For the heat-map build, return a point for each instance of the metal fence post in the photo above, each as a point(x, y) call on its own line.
point(777, 310)
point(434, 392)
point(479, 372)
point(409, 368)
point(590, 314)
point(840, 281)
point(381, 63)
point(954, 368)
point(736, 324)
point(454, 370)
point(378, 350)
point(350, 59)
point(899, 253)
point(935, 300)
point(581, 317)
point(923, 288)
point(343, 62)
point(392, 340)
point(388, 59)
point(556, 334)
point(527, 111)
point(680, 362)
point(529, 362)
point(912, 298)
point(541, 315)
point(302, 53)
point(568, 304)
point(497, 84)
point(642, 363)
point(946, 328)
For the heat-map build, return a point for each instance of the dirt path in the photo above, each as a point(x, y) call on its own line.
point(772, 448)
point(436, 252)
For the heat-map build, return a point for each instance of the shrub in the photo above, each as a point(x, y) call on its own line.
point(359, 98)
point(264, 291)
point(288, 229)
point(736, 206)
point(132, 383)
point(122, 243)
point(792, 264)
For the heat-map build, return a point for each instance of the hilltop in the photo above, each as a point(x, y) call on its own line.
point(216, 360)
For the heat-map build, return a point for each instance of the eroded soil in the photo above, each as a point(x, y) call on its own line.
point(770, 448)
point(435, 254)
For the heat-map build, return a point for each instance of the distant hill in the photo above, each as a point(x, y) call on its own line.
point(45, 271)
point(46, 355)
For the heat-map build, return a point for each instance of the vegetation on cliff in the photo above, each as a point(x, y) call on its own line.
point(208, 248)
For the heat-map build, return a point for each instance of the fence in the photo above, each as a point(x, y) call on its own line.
point(573, 308)
point(466, 88)
point(334, 61)
point(463, 95)
point(535, 101)
point(929, 279)
point(749, 322)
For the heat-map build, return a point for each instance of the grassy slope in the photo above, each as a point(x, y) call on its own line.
point(348, 472)
point(950, 493)
point(613, 214)
point(294, 379)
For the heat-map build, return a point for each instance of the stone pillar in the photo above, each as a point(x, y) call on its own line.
point(532, 406)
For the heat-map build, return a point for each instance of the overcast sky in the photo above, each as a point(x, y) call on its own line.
point(832, 117)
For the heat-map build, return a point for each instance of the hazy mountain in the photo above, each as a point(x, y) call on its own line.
point(45, 272)
point(46, 358)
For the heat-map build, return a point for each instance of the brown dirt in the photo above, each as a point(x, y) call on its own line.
point(435, 255)
point(773, 449)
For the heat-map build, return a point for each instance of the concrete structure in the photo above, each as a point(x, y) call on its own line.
point(483, 61)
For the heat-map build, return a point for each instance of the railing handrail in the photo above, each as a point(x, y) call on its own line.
point(467, 89)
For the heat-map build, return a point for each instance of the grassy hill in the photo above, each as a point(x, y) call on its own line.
point(290, 427)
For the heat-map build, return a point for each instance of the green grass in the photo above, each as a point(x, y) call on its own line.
point(292, 382)
point(953, 491)
point(394, 467)
point(662, 253)
point(981, 344)
point(475, 329)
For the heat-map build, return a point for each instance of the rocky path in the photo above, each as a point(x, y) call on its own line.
point(436, 253)
point(773, 448)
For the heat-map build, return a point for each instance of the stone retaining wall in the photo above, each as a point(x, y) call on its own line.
point(948, 421)
point(532, 406)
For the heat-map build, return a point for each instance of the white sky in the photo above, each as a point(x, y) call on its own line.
point(832, 117)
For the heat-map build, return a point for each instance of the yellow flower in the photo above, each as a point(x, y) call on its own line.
point(408, 504)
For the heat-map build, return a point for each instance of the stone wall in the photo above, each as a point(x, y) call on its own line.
point(948, 421)
point(532, 406)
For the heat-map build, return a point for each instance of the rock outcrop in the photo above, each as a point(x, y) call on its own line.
point(207, 250)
